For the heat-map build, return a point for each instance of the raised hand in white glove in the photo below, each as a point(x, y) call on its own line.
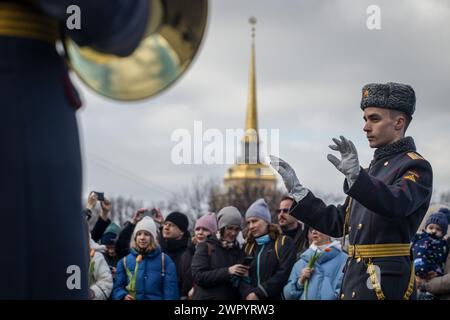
point(293, 185)
point(349, 164)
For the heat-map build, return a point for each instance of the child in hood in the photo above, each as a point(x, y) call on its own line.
point(430, 249)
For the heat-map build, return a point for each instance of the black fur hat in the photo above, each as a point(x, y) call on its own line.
point(395, 96)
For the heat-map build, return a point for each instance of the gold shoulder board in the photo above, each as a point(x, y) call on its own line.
point(414, 156)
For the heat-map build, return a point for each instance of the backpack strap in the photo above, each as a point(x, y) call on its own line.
point(128, 272)
point(283, 238)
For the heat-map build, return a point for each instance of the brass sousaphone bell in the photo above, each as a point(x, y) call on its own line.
point(173, 37)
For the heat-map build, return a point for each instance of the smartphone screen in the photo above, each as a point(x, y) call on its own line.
point(100, 196)
point(247, 261)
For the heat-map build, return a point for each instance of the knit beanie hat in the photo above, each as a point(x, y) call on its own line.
point(110, 235)
point(207, 221)
point(229, 216)
point(259, 209)
point(179, 219)
point(113, 228)
point(441, 218)
point(146, 224)
point(108, 239)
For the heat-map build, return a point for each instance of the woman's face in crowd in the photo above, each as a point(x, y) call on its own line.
point(201, 234)
point(143, 239)
point(257, 227)
point(231, 232)
point(434, 229)
point(317, 238)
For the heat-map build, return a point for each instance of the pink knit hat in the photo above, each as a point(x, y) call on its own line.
point(207, 221)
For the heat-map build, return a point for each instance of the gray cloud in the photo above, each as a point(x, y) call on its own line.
point(313, 57)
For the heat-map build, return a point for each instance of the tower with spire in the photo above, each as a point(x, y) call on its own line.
point(249, 169)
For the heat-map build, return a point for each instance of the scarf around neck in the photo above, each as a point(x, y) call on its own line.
point(263, 240)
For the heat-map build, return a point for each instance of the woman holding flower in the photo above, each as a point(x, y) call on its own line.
point(317, 275)
point(146, 273)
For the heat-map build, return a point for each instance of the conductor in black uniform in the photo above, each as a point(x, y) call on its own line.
point(385, 203)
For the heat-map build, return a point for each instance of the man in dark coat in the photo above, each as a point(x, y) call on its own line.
point(386, 202)
point(40, 167)
point(291, 227)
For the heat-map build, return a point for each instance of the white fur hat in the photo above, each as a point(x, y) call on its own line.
point(146, 224)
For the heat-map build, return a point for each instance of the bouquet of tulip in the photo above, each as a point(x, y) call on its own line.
point(311, 263)
point(131, 287)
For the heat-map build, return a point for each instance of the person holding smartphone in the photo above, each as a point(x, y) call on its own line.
point(103, 221)
point(216, 266)
point(273, 252)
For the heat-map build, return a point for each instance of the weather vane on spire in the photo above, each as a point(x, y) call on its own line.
point(252, 21)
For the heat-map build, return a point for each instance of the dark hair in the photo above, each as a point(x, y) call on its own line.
point(287, 197)
point(408, 118)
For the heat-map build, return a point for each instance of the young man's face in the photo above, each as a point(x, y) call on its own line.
point(381, 129)
point(284, 218)
point(171, 231)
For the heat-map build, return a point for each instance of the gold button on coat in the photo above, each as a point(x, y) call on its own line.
point(359, 226)
point(353, 294)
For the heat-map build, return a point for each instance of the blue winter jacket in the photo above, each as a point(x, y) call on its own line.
point(150, 283)
point(325, 282)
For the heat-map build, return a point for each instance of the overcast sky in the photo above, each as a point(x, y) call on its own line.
point(312, 59)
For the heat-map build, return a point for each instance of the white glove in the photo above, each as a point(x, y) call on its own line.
point(293, 185)
point(349, 164)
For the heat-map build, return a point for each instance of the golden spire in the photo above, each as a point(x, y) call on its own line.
point(250, 168)
point(252, 119)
